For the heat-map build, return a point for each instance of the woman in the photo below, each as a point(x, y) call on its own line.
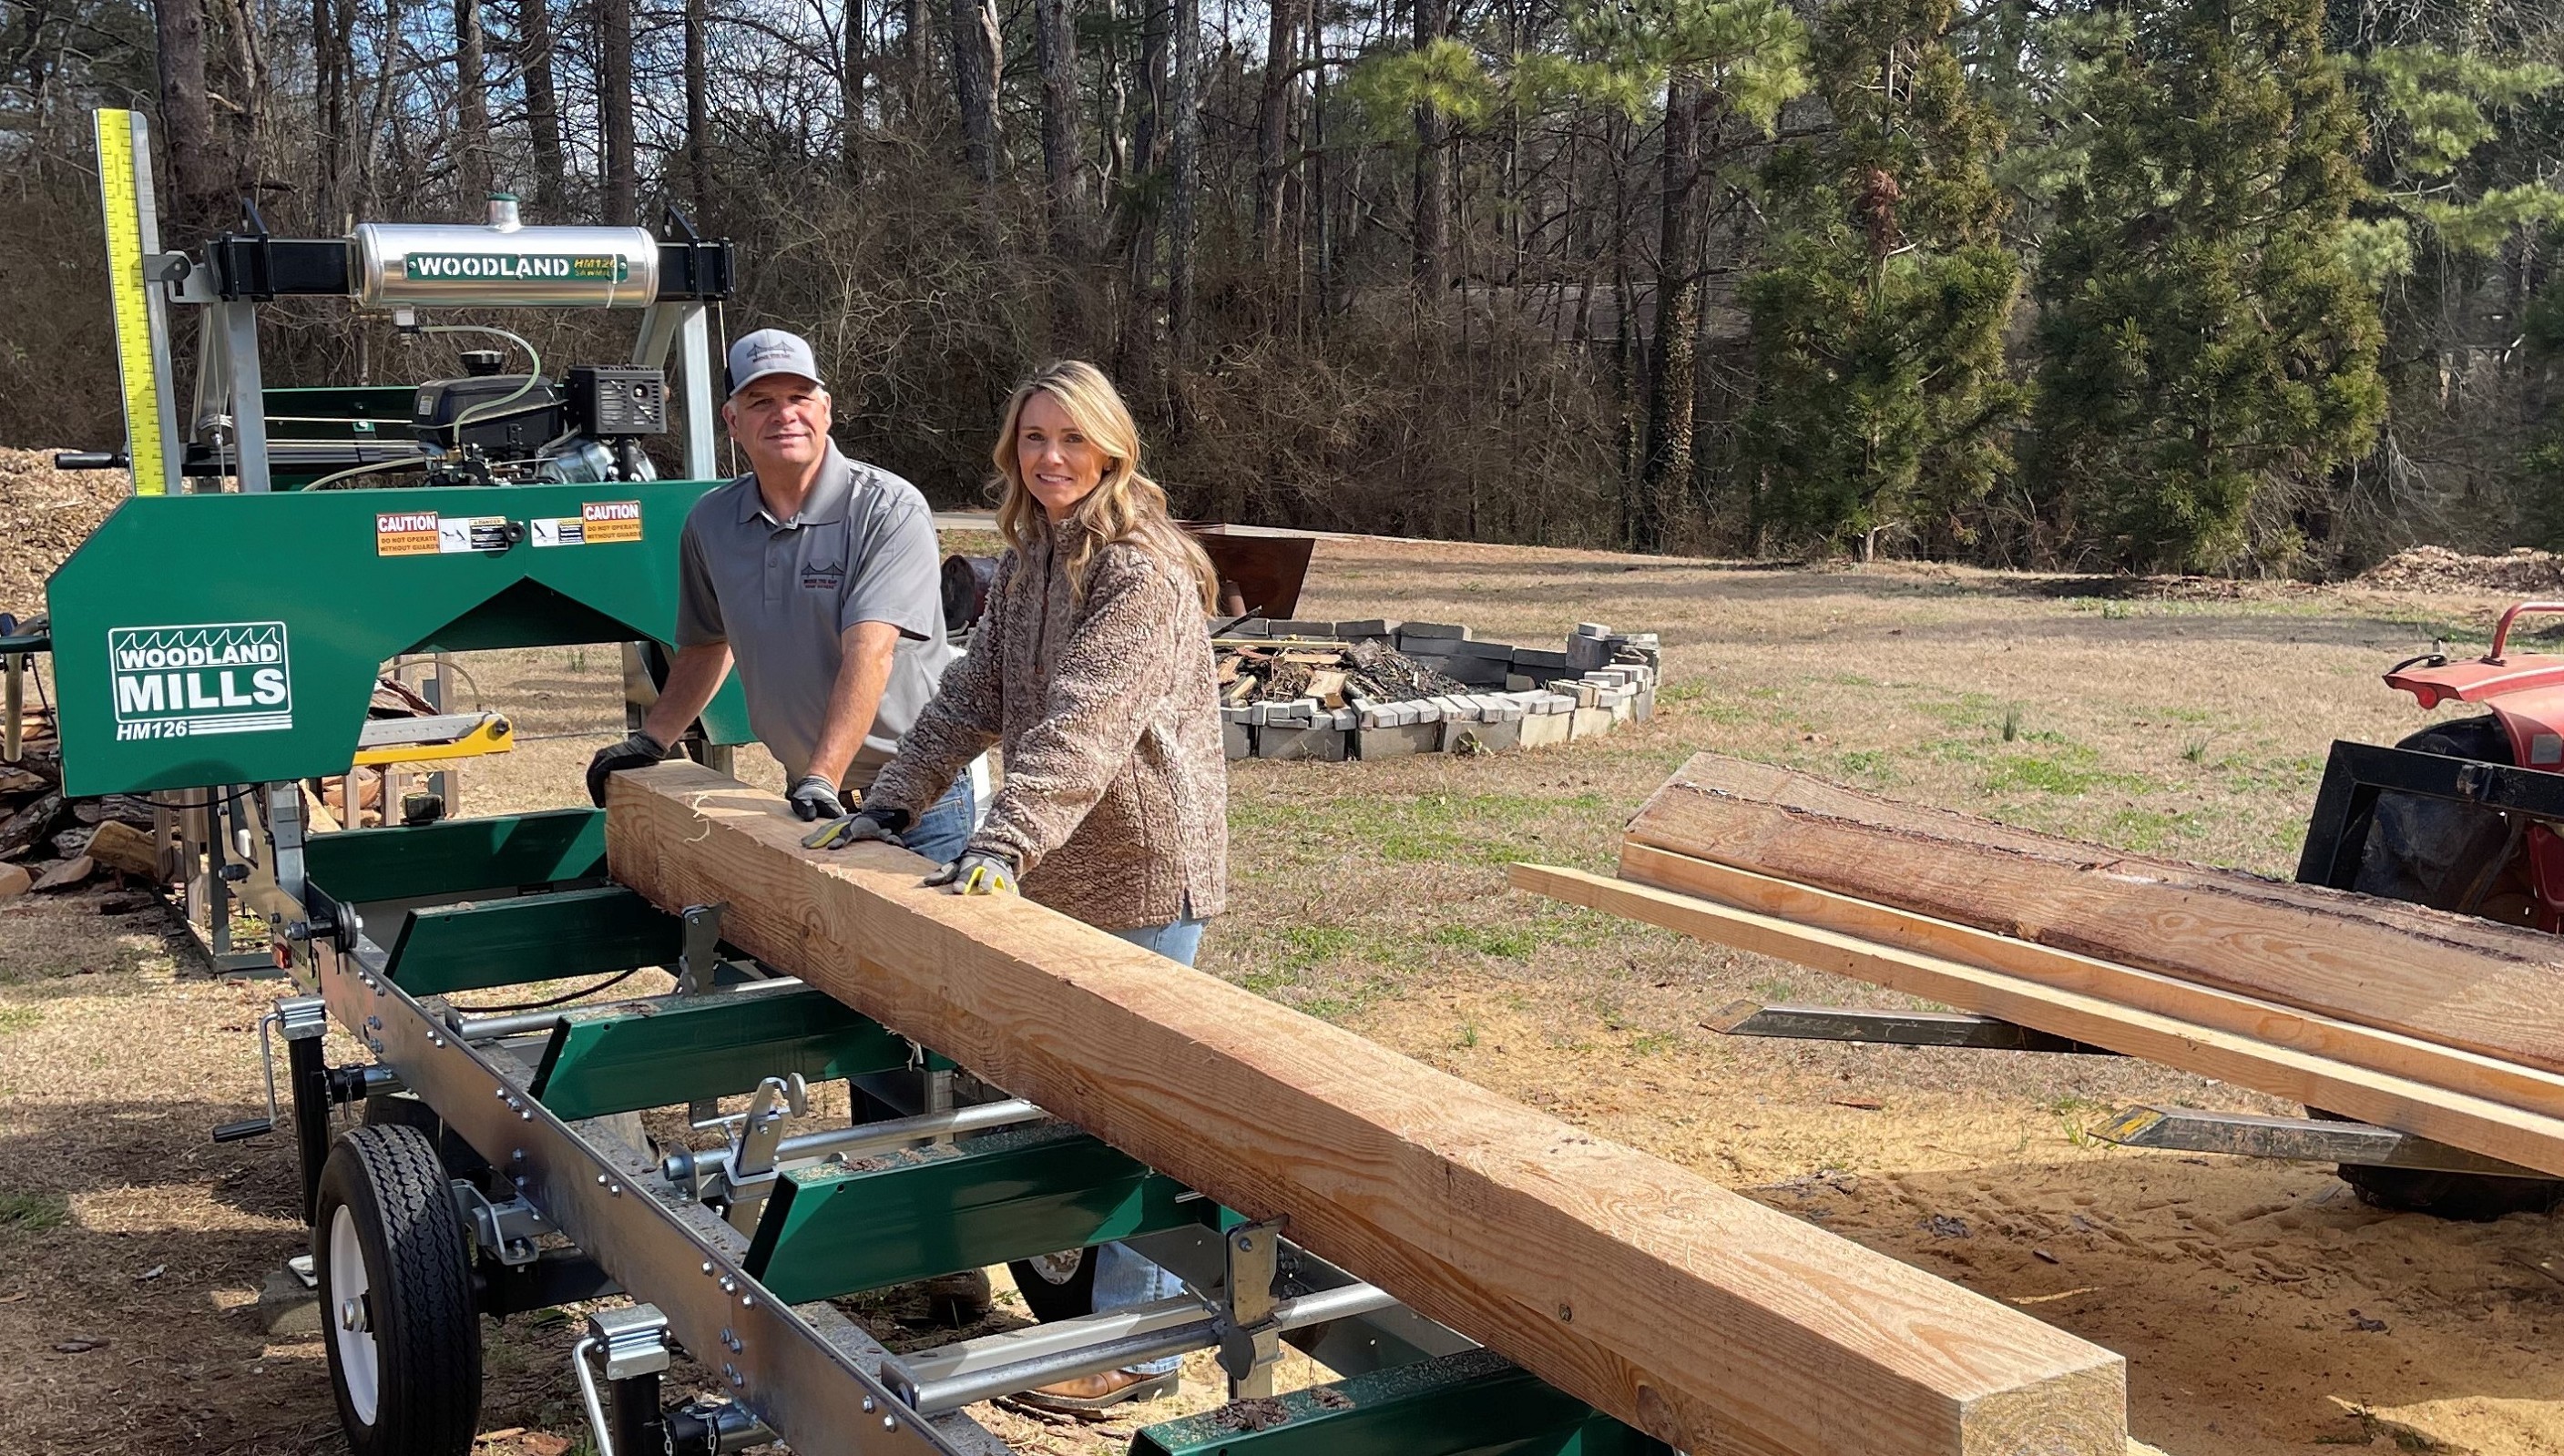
point(1092, 666)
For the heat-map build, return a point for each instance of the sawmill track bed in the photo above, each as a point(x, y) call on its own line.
point(2262, 1308)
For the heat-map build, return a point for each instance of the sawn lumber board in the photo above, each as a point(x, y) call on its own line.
point(1691, 1312)
point(2454, 1118)
point(2493, 1080)
point(2447, 978)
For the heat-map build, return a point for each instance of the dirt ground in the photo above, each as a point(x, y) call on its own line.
point(2262, 1310)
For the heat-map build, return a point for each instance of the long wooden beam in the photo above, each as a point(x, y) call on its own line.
point(1691, 1312)
point(2447, 978)
point(2461, 1120)
point(2507, 1083)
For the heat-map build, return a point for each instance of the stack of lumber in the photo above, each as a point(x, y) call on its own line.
point(1691, 1312)
point(2437, 1024)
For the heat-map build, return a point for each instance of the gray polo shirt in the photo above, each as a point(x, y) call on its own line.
point(783, 593)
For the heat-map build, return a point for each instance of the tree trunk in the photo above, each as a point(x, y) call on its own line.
point(1055, 53)
point(850, 92)
point(1674, 384)
point(542, 107)
point(1138, 354)
point(614, 111)
point(978, 59)
point(1273, 136)
point(1112, 97)
point(916, 61)
point(186, 125)
point(1669, 385)
point(334, 64)
point(1185, 164)
point(473, 176)
point(1317, 295)
point(698, 124)
point(381, 128)
point(249, 150)
point(1432, 178)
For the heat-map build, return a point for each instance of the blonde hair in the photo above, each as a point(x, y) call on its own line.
point(1124, 505)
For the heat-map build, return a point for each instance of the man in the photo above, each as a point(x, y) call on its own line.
point(817, 575)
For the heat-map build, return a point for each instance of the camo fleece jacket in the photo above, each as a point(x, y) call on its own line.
point(1114, 801)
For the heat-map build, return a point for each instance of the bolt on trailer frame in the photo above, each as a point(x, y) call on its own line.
point(481, 1162)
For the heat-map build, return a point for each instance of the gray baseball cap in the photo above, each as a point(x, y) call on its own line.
point(771, 351)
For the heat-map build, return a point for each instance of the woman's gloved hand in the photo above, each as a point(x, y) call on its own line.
point(976, 873)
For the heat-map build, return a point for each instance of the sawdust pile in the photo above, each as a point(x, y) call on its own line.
point(44, 514)
point(2437, 568)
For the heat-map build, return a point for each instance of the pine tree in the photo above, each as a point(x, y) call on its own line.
point(1880, 396)
point(2206, 342)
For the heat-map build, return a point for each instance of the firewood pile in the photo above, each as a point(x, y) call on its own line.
point(1376, 688)
point(50, 843)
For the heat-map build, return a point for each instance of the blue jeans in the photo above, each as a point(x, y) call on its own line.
point(1177, 940)
point(1121, 1277)
point(940, 832)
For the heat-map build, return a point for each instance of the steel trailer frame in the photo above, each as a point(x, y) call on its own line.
point(569, 1209)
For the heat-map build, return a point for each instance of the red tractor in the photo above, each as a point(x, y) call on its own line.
point(2459, 816)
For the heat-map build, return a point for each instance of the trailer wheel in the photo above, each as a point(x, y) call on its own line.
point(403, 1110)
point(1057, 1286)
point(2466, 1198)
point(396, 1297)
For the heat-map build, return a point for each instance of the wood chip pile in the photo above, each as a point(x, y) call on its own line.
point(1380, 690)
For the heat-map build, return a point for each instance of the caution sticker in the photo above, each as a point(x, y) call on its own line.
point(610, 521)
point(559, 531)
point(471, 534)
point(405, 533)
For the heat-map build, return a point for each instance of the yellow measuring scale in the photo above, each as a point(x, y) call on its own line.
point(142, 327)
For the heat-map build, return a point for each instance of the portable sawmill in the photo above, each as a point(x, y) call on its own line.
point(470, 1164)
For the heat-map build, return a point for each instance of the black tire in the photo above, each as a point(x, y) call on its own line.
point(405, 1347)
point(2456, 858)
point(1049, 1295)
point(402, 1110)
point(2464, 1197)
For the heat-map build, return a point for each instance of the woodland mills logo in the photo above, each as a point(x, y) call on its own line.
point(216, 678)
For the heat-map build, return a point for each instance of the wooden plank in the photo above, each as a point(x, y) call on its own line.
point(2342, 1041)
point(2454, 1118)
point(1692, 1313)
point(2447, 978)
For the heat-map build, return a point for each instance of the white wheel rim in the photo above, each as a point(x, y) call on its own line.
point(360, 1366)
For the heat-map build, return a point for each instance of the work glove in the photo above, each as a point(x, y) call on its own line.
point(976, 873)
point(863, 824)
point(637, 752)
point(815, 797)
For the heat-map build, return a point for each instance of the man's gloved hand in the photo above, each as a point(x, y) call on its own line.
point(637, 752)
point(863, 824)
point(976, 873)
point(815, 797)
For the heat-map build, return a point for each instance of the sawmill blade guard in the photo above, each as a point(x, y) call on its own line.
point(204, 640)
